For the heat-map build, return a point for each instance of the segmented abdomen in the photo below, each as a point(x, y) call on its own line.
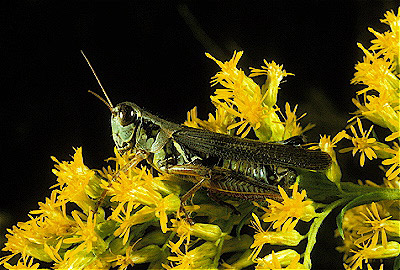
point(257, 171)
point(237, 185)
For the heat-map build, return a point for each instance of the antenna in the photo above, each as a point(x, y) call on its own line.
point(102, 99)
point(108, 103)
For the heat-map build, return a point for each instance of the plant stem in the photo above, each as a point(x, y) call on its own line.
point(312, 234)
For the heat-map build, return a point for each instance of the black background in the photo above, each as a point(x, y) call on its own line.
point(149, 54)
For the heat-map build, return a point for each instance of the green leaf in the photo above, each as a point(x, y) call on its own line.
point(245, 219)
point(380, 195)
point(318, 187)
point(396, 265)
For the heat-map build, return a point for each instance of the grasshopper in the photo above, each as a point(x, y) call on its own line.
point(226, 165)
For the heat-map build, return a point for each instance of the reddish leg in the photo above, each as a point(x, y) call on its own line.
point(198, 172)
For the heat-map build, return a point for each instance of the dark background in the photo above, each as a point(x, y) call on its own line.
point(153, 54)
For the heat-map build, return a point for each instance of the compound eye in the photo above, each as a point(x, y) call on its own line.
point(126, 115)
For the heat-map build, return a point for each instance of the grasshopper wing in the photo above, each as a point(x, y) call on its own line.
point(236, 148)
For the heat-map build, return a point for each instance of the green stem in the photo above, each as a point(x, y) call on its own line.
point(227, 229)
point(171, 236)
point(219, 252)
point(312, 234)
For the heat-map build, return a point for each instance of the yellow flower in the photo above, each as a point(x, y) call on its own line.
point(199, 257)
point(182, 261)
point(396, 133)
point(76, 260)
point(73, 178)
point(218, 123)
point(135, 187)
point(51, 207)
point(284, 259)
point(228, 68)
point(285, 215)
point(373, 225)
point(71, 259)
point(392, 227)
point(50, 225)
point(208, 232)
point(68, 172)
point(53, 218)
point(363, 144)
point(285, 237)
point(192, 119)
point(98, 263)
point(352, 218)
point(123, 215)
point(379, 75)
point(25, 262)
point(85, 233)
point(327, 145)
point(378, 110)
point(275, 74)
point(54, 252)
point(183, 229)
point(367, 252)
point(242, 97)
point(170, 203)
point(249, 103)
point(292, 127)
point(123, 261)
point(394, 170)
point(388, 43)
point(379, 72)
point(348, 242)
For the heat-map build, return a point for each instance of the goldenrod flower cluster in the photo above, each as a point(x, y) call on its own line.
point(371, 226)
point(140, 220)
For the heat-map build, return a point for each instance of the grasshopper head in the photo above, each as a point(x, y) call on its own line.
point(125, 120)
